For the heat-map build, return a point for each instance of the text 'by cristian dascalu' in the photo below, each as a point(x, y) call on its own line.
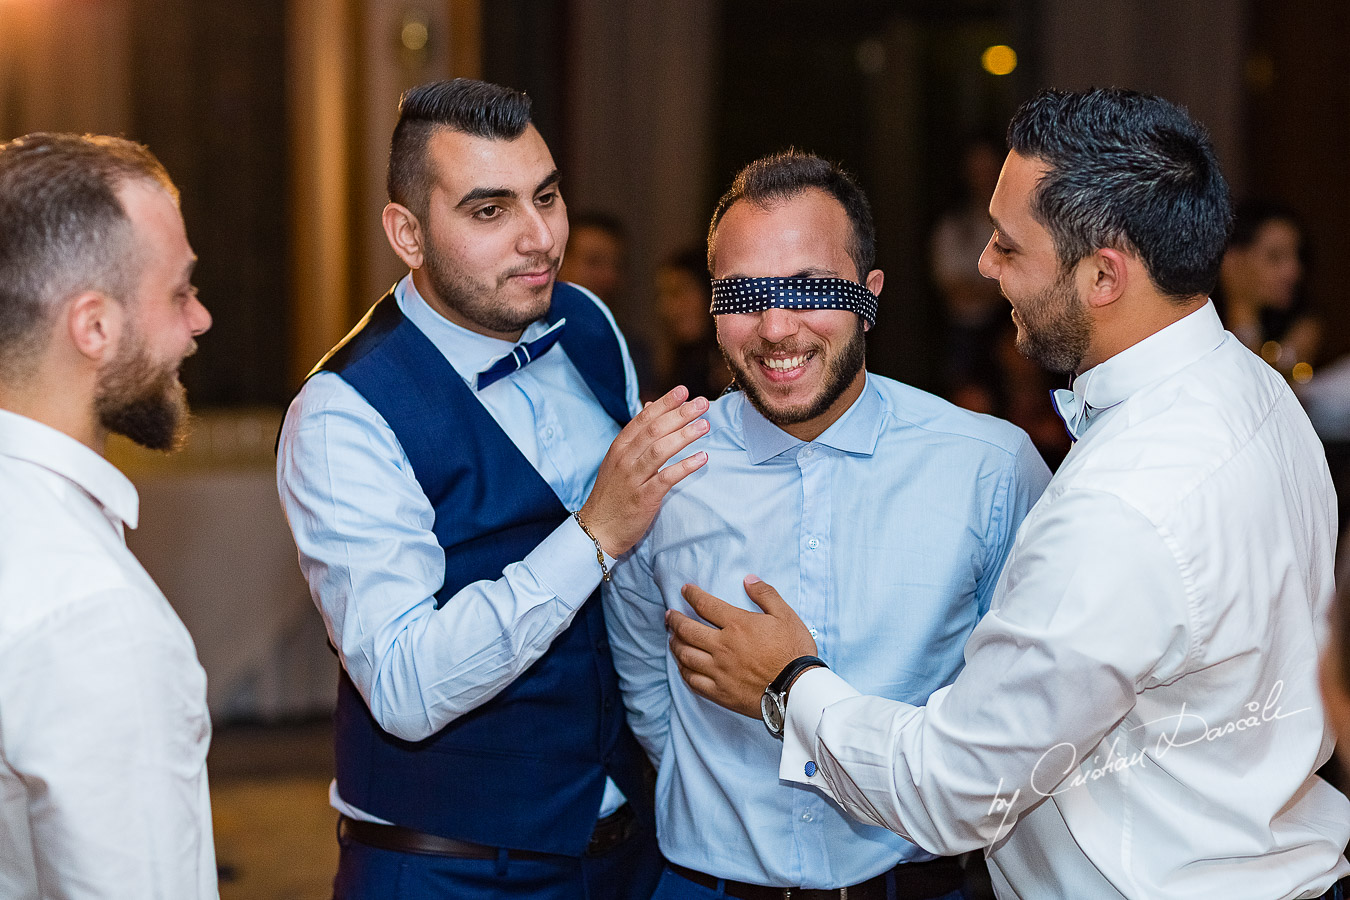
point(1058, 770)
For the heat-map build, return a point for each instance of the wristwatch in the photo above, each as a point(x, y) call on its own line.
point(773, 705)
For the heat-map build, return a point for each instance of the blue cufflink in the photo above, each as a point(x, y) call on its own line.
point(810, 768)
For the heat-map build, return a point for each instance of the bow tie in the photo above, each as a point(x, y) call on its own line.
point(1073, 410)
point(521, 355)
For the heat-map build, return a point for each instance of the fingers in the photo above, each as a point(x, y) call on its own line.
point(671, 403)
point(766, 598)
point(688, 632)
point(690, 658)
point(710, 608)
point(702, 671)
point(665, 444)
point(672, 475)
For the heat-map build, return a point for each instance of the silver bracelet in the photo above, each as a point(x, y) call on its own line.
point(599, 552)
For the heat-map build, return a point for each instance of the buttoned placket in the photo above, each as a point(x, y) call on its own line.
point(551, 439)
point(814, 599)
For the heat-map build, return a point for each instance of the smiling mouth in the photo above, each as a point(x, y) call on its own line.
point(786, 364)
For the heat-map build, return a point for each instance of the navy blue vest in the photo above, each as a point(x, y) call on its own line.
point(525, 770)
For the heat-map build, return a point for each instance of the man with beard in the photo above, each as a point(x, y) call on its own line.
point(103, 789)
point(882, 491)
point(1138, 715)
point(427, 470)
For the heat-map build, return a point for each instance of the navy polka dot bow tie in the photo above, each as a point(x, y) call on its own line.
point(520, 356)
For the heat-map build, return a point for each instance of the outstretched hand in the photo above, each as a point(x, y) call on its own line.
point(631, 484)
point(733, 660)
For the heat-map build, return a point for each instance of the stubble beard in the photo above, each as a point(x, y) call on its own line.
point(141, 400)
point(479, 303)
point(839, 374)
point(1054, 328)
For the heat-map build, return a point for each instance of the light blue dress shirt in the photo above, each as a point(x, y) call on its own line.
point(363, 528)
point(886, 534)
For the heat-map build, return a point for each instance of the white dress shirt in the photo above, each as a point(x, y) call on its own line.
point(363, 528)
point(103, 721)
point(1138, 716)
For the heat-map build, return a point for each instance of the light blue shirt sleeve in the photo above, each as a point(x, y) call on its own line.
point(363, 528)
point(1022, 485)
point(635, 615)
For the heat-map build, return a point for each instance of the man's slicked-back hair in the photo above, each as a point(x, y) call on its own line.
point(473, 107)
point(784, 176)
point(63, 230)
point(1131, 172)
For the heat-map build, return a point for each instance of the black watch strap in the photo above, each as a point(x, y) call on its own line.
point(792, 670)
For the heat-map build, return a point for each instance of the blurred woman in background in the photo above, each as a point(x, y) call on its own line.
point(1259, 294)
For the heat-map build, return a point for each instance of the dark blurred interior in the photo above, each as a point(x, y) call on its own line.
point(274, 117)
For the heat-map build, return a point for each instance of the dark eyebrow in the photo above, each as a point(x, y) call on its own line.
point(1002, 232)
point(487, 193)
point(551, 181)
point(505, 193)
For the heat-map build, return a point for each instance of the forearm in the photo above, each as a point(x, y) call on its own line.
point(418, 667)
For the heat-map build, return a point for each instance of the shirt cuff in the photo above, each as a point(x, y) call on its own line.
point(564, 562)
point(812, 692)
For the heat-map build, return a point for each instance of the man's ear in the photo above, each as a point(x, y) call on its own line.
point(875, 278)
point(1108, 275)
point(404, 232)
point(95, 323)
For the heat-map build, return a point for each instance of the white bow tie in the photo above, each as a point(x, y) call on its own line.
point(1073, 410)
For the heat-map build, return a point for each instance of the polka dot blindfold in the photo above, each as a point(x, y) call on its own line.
point(749, 295)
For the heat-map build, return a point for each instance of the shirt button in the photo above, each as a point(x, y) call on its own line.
point(813, 543)
point(811, 631)
point(548, 433)
point(809, 453)
point(807, 817)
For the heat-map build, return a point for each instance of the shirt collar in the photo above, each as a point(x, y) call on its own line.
point(467, 351)
point(41, 445)
point(856, 431)
point(1156, 357)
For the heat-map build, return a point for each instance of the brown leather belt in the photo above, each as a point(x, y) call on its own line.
point(610, 832)
point(913, 881)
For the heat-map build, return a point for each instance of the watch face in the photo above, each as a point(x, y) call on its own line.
point(771, 710)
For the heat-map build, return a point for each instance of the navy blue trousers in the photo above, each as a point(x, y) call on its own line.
point(628, 872)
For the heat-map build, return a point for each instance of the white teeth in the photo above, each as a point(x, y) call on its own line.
point(782, 365)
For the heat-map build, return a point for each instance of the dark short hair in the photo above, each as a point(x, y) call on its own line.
point(786, 175)
point(63, 229)
point(1132, 172)
point(461, 104)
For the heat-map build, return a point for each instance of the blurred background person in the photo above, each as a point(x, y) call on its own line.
point(596, 253)
point(982, 369)
point(687, 353)
point(1260, 294)
point(976, 312)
